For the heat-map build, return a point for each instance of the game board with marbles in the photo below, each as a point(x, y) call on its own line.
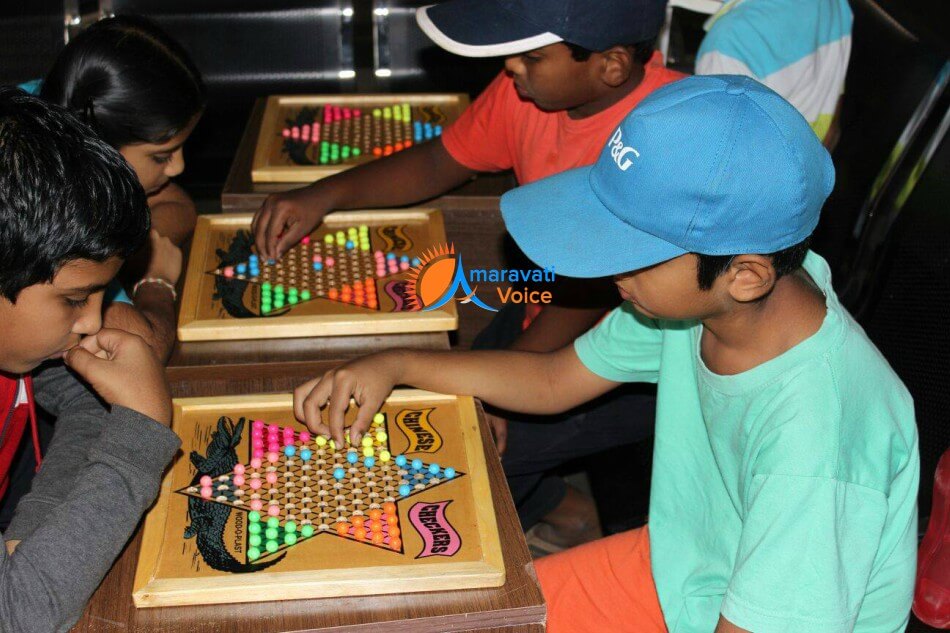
point(307, 137)
point(352, 275)
point(258, 508)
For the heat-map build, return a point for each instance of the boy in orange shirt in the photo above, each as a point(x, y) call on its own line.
point(571, 75)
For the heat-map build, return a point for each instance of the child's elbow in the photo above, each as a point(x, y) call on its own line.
point(26, 610)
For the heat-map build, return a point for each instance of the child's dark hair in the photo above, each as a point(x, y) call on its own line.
point(64, 194)
point(129, 80)
point(785, 262)
point(642, 51)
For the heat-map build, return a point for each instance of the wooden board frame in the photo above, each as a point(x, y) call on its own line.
point(191, 327)
point(149, 591)
point(262, 171)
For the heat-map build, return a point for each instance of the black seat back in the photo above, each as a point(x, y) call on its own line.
point(889, 74)
point(899, 283)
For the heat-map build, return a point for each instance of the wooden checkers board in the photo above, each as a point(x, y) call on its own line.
point(353, 275)
point(307, 137)
point(257, 509)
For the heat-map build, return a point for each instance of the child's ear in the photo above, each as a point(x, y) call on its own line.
point(751, 277)
point(618, 65)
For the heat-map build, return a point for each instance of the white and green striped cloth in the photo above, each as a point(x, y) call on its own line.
point(798, 48)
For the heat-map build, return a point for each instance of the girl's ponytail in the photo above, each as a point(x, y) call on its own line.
point(129, 80)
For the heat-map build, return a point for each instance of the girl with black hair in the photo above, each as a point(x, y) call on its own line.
point(143, 95)
point(140, 91)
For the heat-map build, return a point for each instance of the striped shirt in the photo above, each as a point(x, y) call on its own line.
point(798, 48)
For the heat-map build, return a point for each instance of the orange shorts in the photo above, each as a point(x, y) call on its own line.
point(606, 585)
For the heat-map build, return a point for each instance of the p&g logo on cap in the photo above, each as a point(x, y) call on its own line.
point(620, 152)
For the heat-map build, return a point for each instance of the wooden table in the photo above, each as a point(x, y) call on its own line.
point(238, 367)
point(473, 223)
point(516, 607)
point(241, 194)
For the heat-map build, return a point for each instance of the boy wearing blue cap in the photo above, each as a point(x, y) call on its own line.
point(785, 464)
point(573, 70)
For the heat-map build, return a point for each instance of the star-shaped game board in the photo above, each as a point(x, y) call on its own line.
point(296, 487)
point(341, 267)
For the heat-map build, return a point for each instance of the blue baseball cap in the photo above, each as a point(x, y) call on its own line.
point(491, 28)
point(716, 165)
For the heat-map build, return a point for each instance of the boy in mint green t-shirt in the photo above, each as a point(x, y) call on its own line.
point(785, 464)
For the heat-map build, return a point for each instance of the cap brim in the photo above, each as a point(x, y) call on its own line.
point(559, 222)
point(480, 28)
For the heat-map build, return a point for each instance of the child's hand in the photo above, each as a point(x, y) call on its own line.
point(123, 370)
point(165, 259)
point(284, 218)
point(499, 430)
point(144, 320)
point(367, 380)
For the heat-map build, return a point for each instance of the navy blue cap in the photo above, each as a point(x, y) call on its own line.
point(716, 165)
point(491, 28)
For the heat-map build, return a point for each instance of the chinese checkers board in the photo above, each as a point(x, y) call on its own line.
point(307, 137)
point(257, 509)
point(353, 275)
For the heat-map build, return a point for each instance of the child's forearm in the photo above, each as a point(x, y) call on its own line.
point(159, 310)
point(79, 423)
point(173, 214)
point(152, 317)
point(174, 220)
point(46, 582)
point(418, 173)
point(518, 381)
point(515, 381)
